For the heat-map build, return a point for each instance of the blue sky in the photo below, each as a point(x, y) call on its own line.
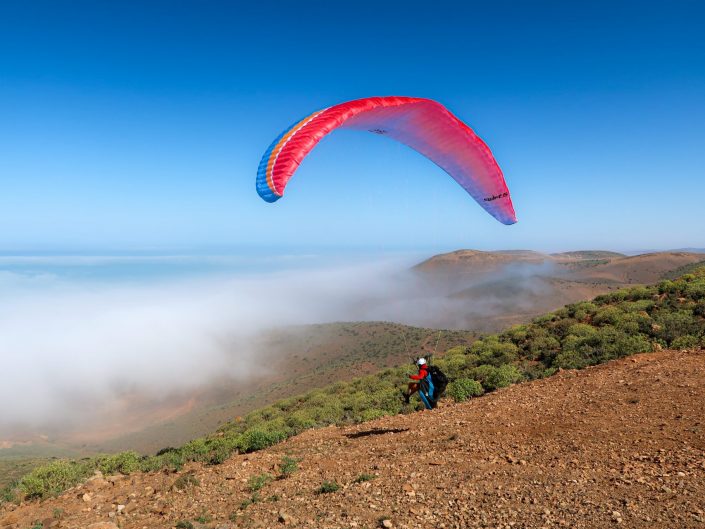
point(132, 126)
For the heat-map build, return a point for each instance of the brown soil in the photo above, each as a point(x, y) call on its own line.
point(639, 269)
point(622, 444)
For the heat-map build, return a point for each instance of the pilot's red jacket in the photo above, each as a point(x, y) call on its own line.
point(423, 373)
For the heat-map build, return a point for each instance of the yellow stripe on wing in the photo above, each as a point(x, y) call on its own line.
point(275, 152)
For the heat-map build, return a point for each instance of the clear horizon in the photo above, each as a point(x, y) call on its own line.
point(255, 252)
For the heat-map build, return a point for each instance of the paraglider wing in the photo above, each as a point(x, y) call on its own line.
point(424, 125)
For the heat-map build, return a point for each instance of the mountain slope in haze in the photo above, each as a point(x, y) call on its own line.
point(587, 255)
point(638, 269)
point(295, 359)
point(620, 444)
point(495, 289)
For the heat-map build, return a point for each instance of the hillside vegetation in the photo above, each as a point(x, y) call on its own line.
point(640, 319)
point(295, 359)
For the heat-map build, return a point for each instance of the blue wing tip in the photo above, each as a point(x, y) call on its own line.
point(267, 195)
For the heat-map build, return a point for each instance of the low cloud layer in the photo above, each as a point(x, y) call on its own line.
point(71, 348)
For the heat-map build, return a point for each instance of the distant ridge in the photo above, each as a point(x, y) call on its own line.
point(477, 260)
point(588, 254)
point(690, 250)
point(643, 267)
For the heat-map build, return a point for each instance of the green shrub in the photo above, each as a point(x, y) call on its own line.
point(219, 450)
point(122, 463)
point(54, 478)
point(699, 309)
point(256, 483)
point(677, 323)
point(543, 319)
point(183, 524)
point(570, 359)
point(370, 415)
point(582, 311)
point(327, 487)
point(288, 466)
point(643, 305)
point(257, 439)
point(464, 388)
point(185, 482)
point(640, 293)
point(364, 477)
point(195, 450)
point(329, 412)
point(634, 323)
point(8, 494)
point(686, 342)
point(385, 400)
point(300, 420)
point(173, 460)
point(695, 290)
point(458, 350)
point(491, 350)
point(492, 377)
point(615, 343)
point(543, 346)
point(609, 315)
point(455, 366)
point(579, 347)
point(582, 330)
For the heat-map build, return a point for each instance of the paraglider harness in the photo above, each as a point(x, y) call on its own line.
point(432, 387)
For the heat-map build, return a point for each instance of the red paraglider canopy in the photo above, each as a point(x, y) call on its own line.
point(423, 124)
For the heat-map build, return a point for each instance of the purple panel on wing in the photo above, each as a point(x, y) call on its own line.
point(428, 128)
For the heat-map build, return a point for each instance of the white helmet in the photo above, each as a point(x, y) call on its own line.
point(421, 361)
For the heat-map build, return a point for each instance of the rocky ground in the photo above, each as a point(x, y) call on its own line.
point(622, 444)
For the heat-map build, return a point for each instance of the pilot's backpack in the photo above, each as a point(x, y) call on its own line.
point(440, 381)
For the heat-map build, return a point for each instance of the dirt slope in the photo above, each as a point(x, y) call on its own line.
point(638, 269)
point(622, 444)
